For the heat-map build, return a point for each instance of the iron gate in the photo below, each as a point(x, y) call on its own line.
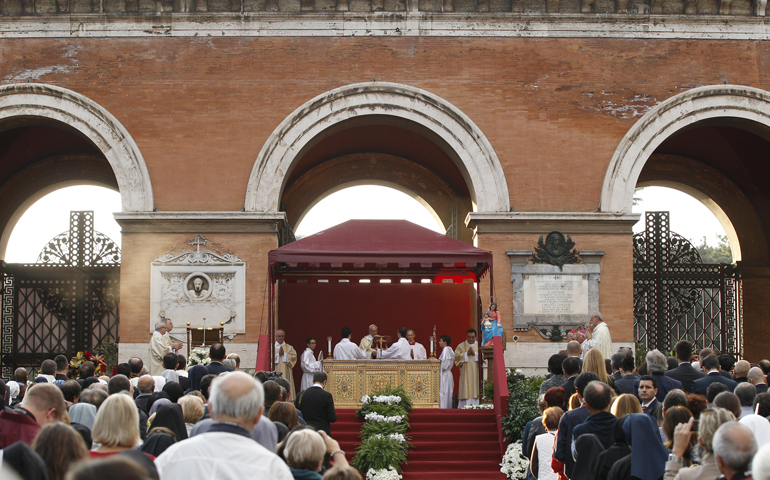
point(678, 297)
point(68, 301)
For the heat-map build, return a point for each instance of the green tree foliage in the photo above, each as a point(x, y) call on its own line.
point(719, 254)
point(522, 404)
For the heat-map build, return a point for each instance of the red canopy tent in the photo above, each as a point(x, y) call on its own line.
point(371, 259)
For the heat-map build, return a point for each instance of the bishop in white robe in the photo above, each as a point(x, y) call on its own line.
point(467, 359)
point(366, 342)
point(447, 381)
point(601, 338)
point(285, 359)
point(309, 364)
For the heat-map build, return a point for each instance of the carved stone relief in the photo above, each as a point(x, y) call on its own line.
point(200, 282)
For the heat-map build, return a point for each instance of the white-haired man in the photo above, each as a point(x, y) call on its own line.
point(600, 335)
point(366, 342)
point(160, 345)
point(226, 451)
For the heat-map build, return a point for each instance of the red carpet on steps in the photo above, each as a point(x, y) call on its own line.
point(448, 444)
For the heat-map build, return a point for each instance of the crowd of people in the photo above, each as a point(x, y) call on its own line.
point(672, 418)
point(200, 423)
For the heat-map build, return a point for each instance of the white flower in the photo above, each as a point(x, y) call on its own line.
point(199, 356)
point(393, 436)
point(389, 399)
point(389, 474)
point(483, 406)
point(514, 466)
point(375, 417)
point(365, 399)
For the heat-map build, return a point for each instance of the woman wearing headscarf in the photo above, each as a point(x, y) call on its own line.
point(617, 450)
point(83, 413)
point(157, 442)
point(588, 447)
point(170, 416)
point(194, 375)
point(157, 403)
point(647, 460)
point(174, 391)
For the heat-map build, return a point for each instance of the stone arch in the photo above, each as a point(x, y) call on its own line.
point(470, 149)
point(94, 122)
point(678, 112)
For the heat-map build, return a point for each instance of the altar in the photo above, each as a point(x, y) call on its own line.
point(350, 380)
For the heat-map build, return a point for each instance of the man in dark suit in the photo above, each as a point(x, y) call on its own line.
point(757, 378)
point(657, 366)
point(571, 368)
point(597, 396)
point(626, 383)
point(217, 354)
point(273, 393)
point(710, 364)
point(648, 390)
point(317, 405)
point(685, 372)
point(709, 351)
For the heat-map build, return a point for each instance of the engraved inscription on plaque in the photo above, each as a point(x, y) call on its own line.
point(555, 294)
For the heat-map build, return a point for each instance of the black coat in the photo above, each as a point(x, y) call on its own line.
point(569, 387)
point(686, 374)
point(626, 384)
point(317, 406)
point(215, 368)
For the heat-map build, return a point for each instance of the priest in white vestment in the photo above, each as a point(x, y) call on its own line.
point(309, 364)
point(585, 343)
point(366, 342)
point(400, 350)
point(285, 359)
point(347, 350)
point(467, 359)
point(447, 384)
point(159, 347)
point(600, 335)
point(418, 351)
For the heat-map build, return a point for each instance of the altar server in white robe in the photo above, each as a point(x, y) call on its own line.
point(285, 359)
point(418, 351)
point(309, 364)
point(447, 380)
point(347, 350)
point(467, 359)
point(400, 350)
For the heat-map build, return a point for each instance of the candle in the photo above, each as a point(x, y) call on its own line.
point(329, 339)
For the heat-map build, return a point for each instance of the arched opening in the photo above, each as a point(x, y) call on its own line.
point(694, 216)
point(710, 142)
point(379, 134)
point(351, 202)
point(49, 216)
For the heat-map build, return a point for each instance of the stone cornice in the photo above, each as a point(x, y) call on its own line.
point(544, 222)
point(387, 24)
point(200, 222)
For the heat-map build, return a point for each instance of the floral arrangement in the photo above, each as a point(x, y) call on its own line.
point(514, 465)
point(384, 444)
point(199, 356)
point(393, 436)
point(374, 417)
point(483, 406)
point(383, 474)
point(82, 357)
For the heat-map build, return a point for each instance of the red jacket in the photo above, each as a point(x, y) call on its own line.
point(16, 426)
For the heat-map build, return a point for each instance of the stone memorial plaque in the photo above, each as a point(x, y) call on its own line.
point(555, 294)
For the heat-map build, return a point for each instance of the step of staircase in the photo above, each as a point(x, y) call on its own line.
point(447, 443)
